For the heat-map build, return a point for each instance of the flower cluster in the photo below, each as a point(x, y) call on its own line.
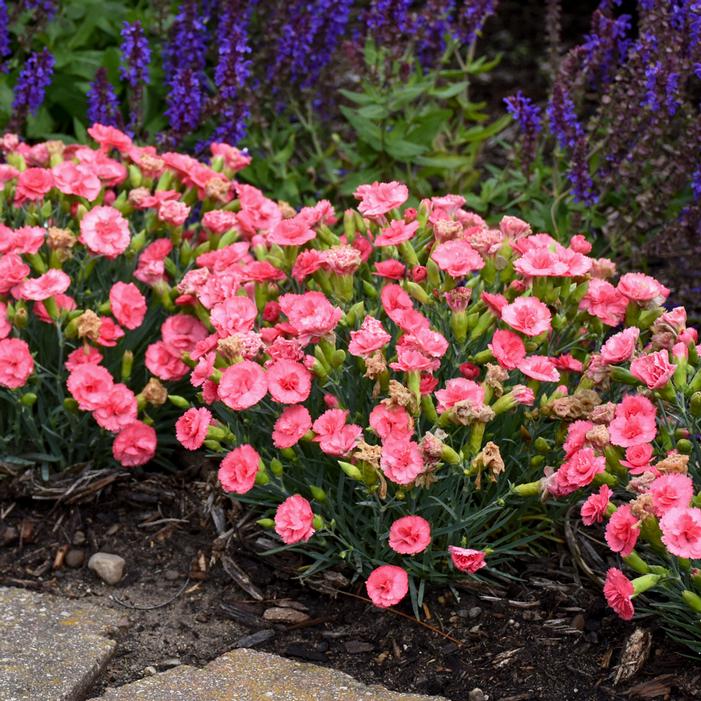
point(91, 342)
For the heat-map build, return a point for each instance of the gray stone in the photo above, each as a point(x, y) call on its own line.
point(75, 557)
point(109, 568)
point(51, 649)
point(477, 695)
point(247, 675)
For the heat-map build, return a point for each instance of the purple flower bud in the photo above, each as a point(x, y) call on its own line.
point(472, 17)
point(103, 106)
point(136, 55)
point(33, 80)
point(563, 119)
point(184, 102)
point(4, 35)
point(527, 114)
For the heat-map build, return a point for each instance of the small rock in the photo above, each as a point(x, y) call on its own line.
point(109, 568)
point(8, 535)
point(150, 671)
point(476, 695)
point(171, 575)
point(282, 615)
point(474, 612)
point(79, 538)
point(75, 557)
point(355, 647)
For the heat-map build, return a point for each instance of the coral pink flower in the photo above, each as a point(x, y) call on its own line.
point(233, 315)
point(391, 269)
point(397, 232)
point(12, 271)
point(105, 232)
point(306, 264)
point(594, 508)
point(330, 422)
point(173, 212)
point(291, 425)
point(494, 302)
point(642, 288)
point(234, 159)
point(391, 422)
point(568, 363)
point(76, 179)
point(16, 363)
point(26, 239)
point(634, 422)
point(457, 258)
point(507, 348)
point(605, 302)
point(110, 137)
point(622, 531)
point(128, 304)
point(681, 532)
point(638, 458)
point(110, 333)
point(310, 314)
point(242, 385)
point(394, 299)
point(379, 198)
point(580, 244)
point(671, 491)
point(576, 436)
point(467, 559)
point(578, 471)
point(401, 461)
point(539, 367)
point(163, 363)
point(289, 382)
point(32, 185)
point(90, 386)
point(135, 445)
point(523, 395)
point(370, 337)
point(513, 227)
point(654, 369)
point(191, 427)
point(182, 332)
point(291, 232)
point(294, 520)
point(541, 262)
point(238, 470)
point(5, 325)
point(410, 535)
point(527, 315)
point(619, 347)
point(459, 390)
point(257, 211)
point(83, 356)
point(50, 284)
point(387, 585)
point(119, 409)
point(342, 442)
point(150, 267)
point(618, 590)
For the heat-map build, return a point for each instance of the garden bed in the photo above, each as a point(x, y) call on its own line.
point(548, 636)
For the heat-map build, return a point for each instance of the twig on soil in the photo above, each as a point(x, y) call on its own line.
point(148, 524)
point(433, 629)
point(155, 606)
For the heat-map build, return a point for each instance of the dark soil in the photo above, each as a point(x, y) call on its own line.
point(546, 637)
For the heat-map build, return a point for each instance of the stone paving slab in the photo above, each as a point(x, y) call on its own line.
point(248, 675)
point(51, 649)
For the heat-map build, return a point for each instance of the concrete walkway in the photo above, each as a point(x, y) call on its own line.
point(54, 649)
point(51, 649)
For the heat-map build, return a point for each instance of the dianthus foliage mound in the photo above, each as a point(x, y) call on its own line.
point(391, 385)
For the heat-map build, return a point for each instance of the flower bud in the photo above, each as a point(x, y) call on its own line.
point(266, 523)
point(351, 470)
point(692, 600)
point(127, 364)
point(318, 493)
point(276, 467)
point(28, 399)
point(178, 401)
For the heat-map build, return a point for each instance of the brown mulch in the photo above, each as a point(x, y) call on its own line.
point(194, 590)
